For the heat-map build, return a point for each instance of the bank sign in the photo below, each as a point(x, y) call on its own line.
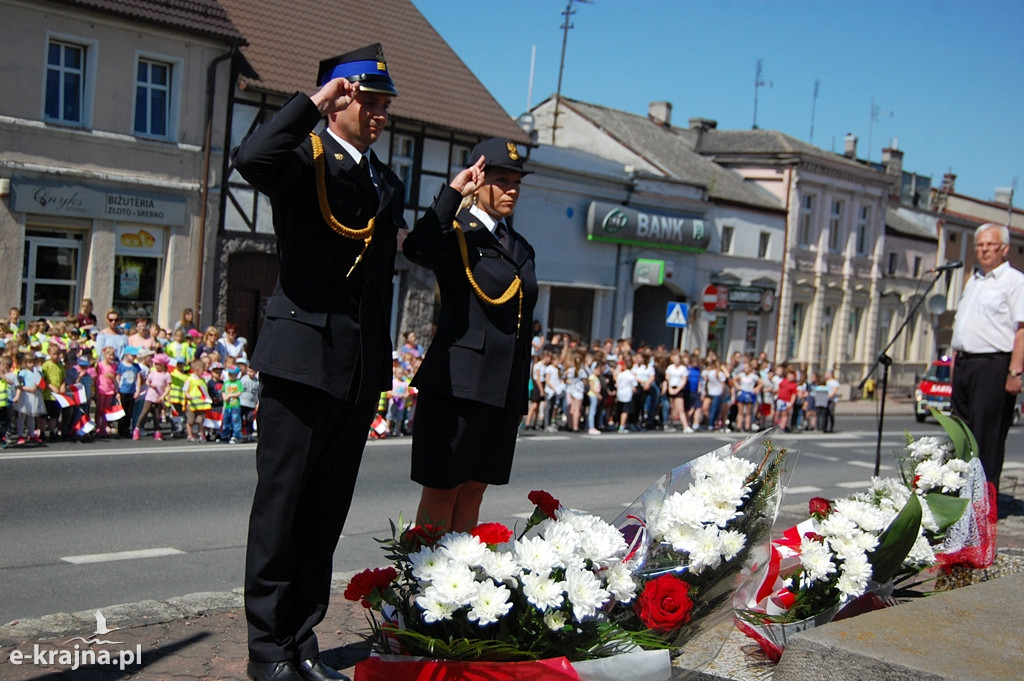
point(86, 201)
point(625, 225)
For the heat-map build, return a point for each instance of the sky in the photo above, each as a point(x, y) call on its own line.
point(943, 78)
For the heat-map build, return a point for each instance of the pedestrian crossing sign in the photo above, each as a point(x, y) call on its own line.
point(677, 315)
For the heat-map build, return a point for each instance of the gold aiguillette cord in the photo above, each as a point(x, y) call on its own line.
point(366, 234)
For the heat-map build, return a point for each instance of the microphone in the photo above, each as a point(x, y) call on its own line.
point(948, 267)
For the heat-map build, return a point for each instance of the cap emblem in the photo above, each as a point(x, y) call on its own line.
point(513, 153)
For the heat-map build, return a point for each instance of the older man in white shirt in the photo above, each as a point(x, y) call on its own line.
point(988, 338)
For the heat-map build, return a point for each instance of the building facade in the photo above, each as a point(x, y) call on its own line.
point(105, 117)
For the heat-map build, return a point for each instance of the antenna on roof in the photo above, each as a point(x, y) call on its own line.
point(529, 89)
point(566, 25)
point(814, 105)
point(758, 83)
point(871, 125)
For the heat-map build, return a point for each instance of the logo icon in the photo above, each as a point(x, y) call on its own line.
point(614, 221)
point(101, 630)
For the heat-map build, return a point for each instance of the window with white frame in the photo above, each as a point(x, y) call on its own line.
point(153, 96)
point(894, 262)
point(727, 239)
point(863, 230)
point(806, 233)
point(402, 161)
point(460, 159)
point(65, 89)
point(835, 225)
point(763, 244)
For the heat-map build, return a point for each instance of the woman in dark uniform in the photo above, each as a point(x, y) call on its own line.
point(473, 381)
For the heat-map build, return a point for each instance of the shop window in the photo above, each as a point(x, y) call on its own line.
point(750, 340)
point(717, 335)
point(50, 274)
point(138, 271)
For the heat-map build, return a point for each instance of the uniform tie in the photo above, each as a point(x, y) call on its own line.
point(364, 165)
point(501, 232)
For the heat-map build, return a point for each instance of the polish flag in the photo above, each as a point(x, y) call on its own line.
point(212, 419)
point(76, 395)
point(84, 426)
point(43, 385)
point(380, 426)
point(114, 413)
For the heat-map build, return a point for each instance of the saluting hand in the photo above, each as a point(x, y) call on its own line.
point(335, 95)
point(470, 179)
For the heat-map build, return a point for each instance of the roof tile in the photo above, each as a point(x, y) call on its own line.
point(206, 17)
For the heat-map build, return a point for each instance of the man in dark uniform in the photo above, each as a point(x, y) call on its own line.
point(324, 354)
point(473, 382)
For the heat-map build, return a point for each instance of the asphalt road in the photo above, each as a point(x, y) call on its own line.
point(88, 526)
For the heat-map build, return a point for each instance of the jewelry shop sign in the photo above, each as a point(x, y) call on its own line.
point(86, 201)
point(616, 223)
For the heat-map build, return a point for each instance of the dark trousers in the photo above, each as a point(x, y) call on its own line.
point(980, 399)
point(307, 460)
point(124, 424)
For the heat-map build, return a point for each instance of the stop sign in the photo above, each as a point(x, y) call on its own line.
point(710, 299)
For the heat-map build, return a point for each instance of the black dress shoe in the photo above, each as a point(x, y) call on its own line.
point(273, 671)
point(315, 670)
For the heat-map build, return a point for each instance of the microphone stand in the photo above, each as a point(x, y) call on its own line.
point(885, 361)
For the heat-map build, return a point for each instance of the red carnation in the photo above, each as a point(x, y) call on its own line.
point(544, 501)
point(419, 536)
point(664, 604)
point(820, 507)
point(492, 533)
point(369, 583)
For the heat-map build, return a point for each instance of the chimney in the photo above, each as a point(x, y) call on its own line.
point(1004, 195)
point(948, 183)
point(850, 146)
point(703, 124)
point(660, 113)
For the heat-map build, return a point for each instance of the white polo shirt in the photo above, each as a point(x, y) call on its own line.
point(991, 308)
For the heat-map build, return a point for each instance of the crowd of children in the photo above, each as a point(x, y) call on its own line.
point(70, 380)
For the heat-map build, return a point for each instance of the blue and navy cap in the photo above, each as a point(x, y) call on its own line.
point(365, 66)
point(500, 152)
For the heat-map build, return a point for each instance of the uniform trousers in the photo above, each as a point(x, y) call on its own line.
point(980, 399)
point(307, 460)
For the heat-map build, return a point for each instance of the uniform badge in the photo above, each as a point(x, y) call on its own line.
point(513, 153)
point(339, 157)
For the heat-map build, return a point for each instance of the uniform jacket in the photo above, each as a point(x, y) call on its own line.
point(477, 352)
point(322, 328)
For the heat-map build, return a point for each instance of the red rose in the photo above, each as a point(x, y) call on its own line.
point(820, 507)
point(492, 533)
point(545, 502)
point(664, 604)
point(364, 585)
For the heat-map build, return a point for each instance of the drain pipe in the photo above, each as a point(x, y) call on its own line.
point(211, 90)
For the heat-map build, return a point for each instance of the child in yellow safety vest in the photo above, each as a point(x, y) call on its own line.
point(176, 395)
point(197, 402)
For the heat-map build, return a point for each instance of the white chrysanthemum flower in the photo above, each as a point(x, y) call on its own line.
point(500, 566)
point(680, 508)
point(684, 537)
point(554, 620)
point(536, 555)
point(922, 554)
point(620, 582)
point(707, 553)
point(928, 475)
point(866, 515)
point(562, 538)
point(952, 481)
point(426, 562)
point(454, 582)
point(435, 609)
point(490, 602)
point(816, 560)
point(838, 525)
point(928, 521)
point(602, 543)
point(732, 543)
point(542, 591)
point(857, 570)
point(463, 548)
point(928, 447)
point(585, 593)
point(849, 587)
